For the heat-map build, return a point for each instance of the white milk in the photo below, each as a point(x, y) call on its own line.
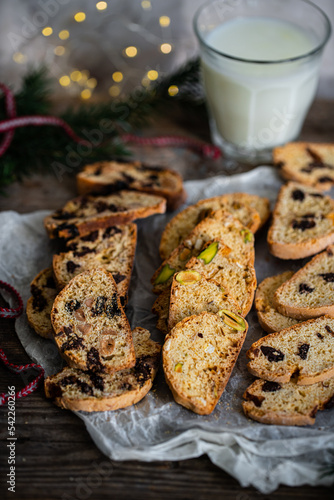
point(259, 105)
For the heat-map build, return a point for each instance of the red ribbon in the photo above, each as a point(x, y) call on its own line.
point(14, 313)
point(7, 127)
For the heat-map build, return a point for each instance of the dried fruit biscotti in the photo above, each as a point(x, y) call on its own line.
point(303, 222)
point(92, 391)
point(269, 317)
point(161, 309)
point(220, 225)
point(191, 293)
point(198, 358)
point(307, 162)
point(90, 327)
point(251, 210)
point(236, 277)
point(106, 177)
point(85, 214)
point(305, 349)
point(112, 248)
point(43, 290)
point(309, 293)
point(287, 404)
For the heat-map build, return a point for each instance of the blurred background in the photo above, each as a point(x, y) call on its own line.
point(98, 49)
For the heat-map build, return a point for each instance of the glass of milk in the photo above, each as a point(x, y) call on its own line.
point(260, 64)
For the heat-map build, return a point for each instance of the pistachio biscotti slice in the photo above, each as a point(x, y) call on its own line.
point(112, 248)
point(220, 225)
point(106, 177)
point(91, 330)
point(43, 290)
point(198, 358)
point(251, 210)
point(85, 214)
point(307, 162)
point(191, 293)
point(303, 222)
point(92, 391)
point(309, 293)
point(305, 349)
point(238, 278)
point(269, 317)
point(287, 404)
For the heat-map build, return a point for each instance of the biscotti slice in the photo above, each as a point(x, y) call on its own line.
point(90, 328)
point(161, 309)
point(191, 293)
point(85, 214)
point(112, 248)
point(106, 177)
point(198, 358)
point(307, 162)
point(305, 349)
point(245, 208)
point(43, 290)
point(309, 293)
point(287, 404)
point(269, 318)
point(220, 225)
point(238, 278)
point(303, 222)
point(92, 391)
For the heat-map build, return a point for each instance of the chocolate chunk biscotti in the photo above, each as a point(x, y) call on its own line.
point(107, 177)
point(305, 349)
point(91, 391)
point(307, 162)
point(43, 290)
point(85, 214)
point(91, 330)
point(303, 222)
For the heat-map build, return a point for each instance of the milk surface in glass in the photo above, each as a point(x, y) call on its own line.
point(254, 103)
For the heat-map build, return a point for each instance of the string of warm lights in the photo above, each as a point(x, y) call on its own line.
point(80, 81)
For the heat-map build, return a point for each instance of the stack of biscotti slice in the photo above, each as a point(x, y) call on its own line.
point(85, 214)
point(112, 248)
point(301, 356)
point(251, 210)
point(307, 162)
point(198, 357)
point(43, 293)
point(109, 176)
point(303, 222)
point(76, 389)
point(220, 226)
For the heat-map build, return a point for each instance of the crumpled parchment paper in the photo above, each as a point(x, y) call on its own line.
point(157, 428)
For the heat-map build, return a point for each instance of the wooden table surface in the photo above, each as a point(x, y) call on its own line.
point(55, 456)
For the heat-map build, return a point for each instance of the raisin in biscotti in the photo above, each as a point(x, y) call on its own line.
point(238, 278)
point(91, 391)
point(287, 404)
point(251, 210)
point(308, 163)
point(220, 225)
point(191, 293)
point(90, 328)
point(84, 214)
point(306, 349)
point(161, 309)
point(269, 317)
point(43, 290)
point(303, 222)
point(112, 248)
point(309, 293)
point(198, 358)
point(109, 176)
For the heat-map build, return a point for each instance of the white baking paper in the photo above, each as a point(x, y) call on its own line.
point(157, 428)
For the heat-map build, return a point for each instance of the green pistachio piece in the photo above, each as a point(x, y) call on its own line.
point(188, 277)
point(164, 275)
point(232, 320)
point(209, 253)
point(248, 235)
